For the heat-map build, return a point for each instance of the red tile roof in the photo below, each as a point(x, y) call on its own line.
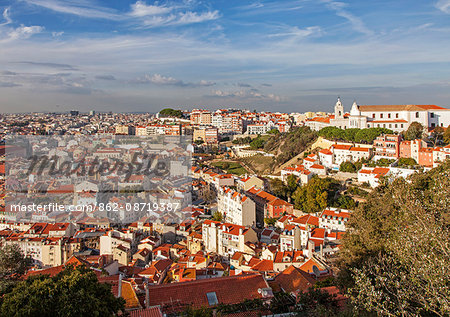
point(228, 290)
point(292, 280)
point(154, 311)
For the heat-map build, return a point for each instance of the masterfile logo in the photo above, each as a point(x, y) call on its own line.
point(117, 178)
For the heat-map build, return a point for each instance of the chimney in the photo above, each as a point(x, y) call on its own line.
point(240, 231)
point(311, 247)
point(120, 285)
point(147, 295)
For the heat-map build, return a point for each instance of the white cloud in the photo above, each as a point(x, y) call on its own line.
point(141, 9)
point(6, 17)
point(252, 94)
point(357, 24)
point(159, 79)
point(78, 7)
point(24, 32)
point(57, 34)
point(162, 80)
point(443, 5)
point(180, 18)
point(193, 17)
point(298, 33)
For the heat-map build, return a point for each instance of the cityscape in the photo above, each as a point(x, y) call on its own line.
point(162, 159)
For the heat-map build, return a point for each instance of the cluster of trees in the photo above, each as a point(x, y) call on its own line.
point(169, 112)
point(288, 145)
point(406, 161)
point(73, 292)
point(313, 197)
point(320, 193)
point(394, 260)
point(415, 131)
point(353, 135)
point(241, 141)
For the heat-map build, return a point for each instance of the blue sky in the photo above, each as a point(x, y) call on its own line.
point(268, 55)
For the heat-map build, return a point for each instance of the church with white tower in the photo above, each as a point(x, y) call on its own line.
point(344, 120)
point(394, 117)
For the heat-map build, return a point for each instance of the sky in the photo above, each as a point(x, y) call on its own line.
point(287, 56)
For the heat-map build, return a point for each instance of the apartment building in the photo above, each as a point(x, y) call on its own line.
point(236, 208)
point(387, 146)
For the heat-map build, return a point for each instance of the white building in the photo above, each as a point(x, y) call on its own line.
point(226, 239)
point(372, 175)
point(394, 117)
point(334, 219)
point(235, 207)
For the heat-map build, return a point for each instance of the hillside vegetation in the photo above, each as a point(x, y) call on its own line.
point(394, 260)
point(353, 135)
point(287, 145)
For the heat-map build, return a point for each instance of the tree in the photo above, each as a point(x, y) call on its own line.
point(270, 221)
point(273, 131)
point(292, 183)
point(437, 135)
point(257, 143)
point(348, 167)
point(73, 292)
point(345, 202)
point(13, 264)
point(394, 259)
point(278, 188)
point(316, 195)
point(217, 216)
point(446, 136)
point(169, 112)
point(415, 131)
point(406, 161)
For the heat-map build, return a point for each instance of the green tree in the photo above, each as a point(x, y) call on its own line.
point(316, 195)
point(257, 143)
point(292, 183)
point(73, 292)
point(437, 135)
point(394, 260)
point(348, 167)
point(278, 188)
point(273, 131)
point(13, 265)
point(169, 112)
point(270, 221)
point(345, 202)
point(415, 131)
point(446, 135)
point(406, 161)
point(217, 216)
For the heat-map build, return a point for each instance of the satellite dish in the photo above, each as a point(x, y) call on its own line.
point(316, 271)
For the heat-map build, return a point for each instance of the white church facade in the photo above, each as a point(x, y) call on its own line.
point(394, 117)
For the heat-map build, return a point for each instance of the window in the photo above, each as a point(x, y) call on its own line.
point(432, 114)
point(212, 298)
point(417, 114)
point(389, 115)
point(401, 125)
point(396, 125)
point(396, 115)
point(381, 115)
point(390, 125)
point(373, 115)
